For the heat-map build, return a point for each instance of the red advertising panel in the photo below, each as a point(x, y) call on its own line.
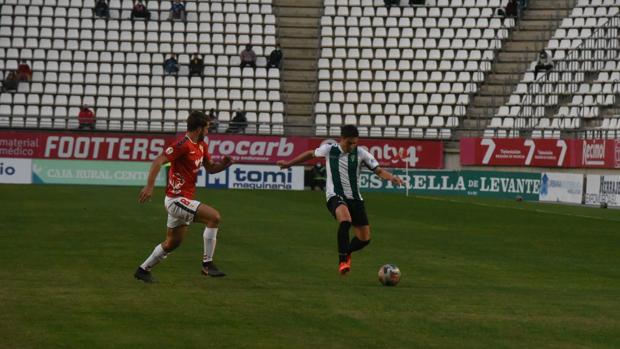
point(83, 146)
point(255, 149)
point(573, 153)
point(599, 153)
point(397, 153)
point(242, 148)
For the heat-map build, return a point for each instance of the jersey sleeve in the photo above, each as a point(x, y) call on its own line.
point(322, 151)
point(176, 150)
point(368, 159)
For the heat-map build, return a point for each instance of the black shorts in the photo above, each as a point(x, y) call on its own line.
point(356, 209)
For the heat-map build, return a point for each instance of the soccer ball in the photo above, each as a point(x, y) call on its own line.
point(389, 275)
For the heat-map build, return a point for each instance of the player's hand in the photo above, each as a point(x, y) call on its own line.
point(283, 164)
point(145, 194)
point(397, 180)
point(227, 161)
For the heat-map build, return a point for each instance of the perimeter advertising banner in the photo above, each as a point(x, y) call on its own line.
point(268, 149)
point(397, 153)
point(256, 177)
point(81, 146)
point(463, 183)
point(93, 172)
point(241, 148)
point(15, 171)
point(561, 187)
point(602, 188)
point(255, 149)
point(563, 153)
point(515, 152)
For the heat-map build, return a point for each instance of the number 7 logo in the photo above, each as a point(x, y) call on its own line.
point(563, 147)
point(490, 150)
point(530, 153)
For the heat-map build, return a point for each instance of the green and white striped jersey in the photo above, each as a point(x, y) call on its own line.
point(343, 169)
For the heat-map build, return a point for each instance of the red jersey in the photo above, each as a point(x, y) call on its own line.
point(186, 158)
point(86, 116)
point(24, 72)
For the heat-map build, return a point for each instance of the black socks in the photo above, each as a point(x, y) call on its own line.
point(344, 246)
point(357, 244)
point(343, 240)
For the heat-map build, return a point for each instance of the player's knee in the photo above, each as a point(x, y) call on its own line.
point(212, 220)
point(171, 244)
point(216, 219)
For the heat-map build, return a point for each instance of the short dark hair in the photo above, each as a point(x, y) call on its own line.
point(348, 131)
point(196, 120)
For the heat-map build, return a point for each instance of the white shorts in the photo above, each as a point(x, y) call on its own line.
point(181, 211)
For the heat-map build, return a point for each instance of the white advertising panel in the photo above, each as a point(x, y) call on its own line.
point(561, 187)
point(603, 188)
point(17, 171)
point(264, 177)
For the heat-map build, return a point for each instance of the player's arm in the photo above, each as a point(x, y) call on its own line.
point(301, 158)
point(215, 167)
point(147, 191)
point(373, 165)
point(388, 176)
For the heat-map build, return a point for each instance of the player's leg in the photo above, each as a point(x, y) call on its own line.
point(361, 238)
point(338, 208)
point(344, 225)
point(211, 217)
point(174, 237)
point(361, 227)
point(181, 212)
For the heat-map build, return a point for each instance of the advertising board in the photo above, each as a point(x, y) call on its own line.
point(520, 152)
point(257, 177)
point(248, 149)
point(460, 183)
point(15, 171)
point(602, 189)
point(92, 172)
point(561, 187)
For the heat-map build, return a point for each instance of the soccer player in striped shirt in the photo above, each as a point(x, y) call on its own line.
point(344, 161)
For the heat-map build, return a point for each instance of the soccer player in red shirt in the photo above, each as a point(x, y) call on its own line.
point(186, 155)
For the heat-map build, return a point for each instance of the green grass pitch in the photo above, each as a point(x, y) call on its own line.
point(476, 274)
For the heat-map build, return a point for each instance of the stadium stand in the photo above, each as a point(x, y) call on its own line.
point(404, 71)
point(116, 65)
point(585, 78)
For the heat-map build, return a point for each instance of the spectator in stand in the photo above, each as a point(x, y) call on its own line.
point(390, 3)
point(10, 82)
point(212, 121)
point(102, 9)
point(238, 123)
point(24, 73)
point(196, 65)
point(318, 177)
point(511, 9)
point(177, 11)
point(140, 11)
point(275, 58)
point(417, 2)
point(544, 63)
point(171, 65)
point(86, 118)
point(248, 57)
